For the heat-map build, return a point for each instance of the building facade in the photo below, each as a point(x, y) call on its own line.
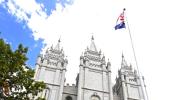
point(93, 81)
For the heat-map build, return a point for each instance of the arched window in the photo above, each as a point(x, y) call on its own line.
point(95, 98)
point(69, 98)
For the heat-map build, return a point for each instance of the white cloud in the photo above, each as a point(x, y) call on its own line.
point(2, 1)
point(22, 9)
point(149, 24)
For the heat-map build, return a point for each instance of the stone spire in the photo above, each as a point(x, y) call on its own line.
point(92, 45)
point(123, 63)
point(126, 81)
point(55, 56)
point(93, 58)
point(57, 47)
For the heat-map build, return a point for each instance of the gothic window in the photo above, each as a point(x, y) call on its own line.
point(68, 98)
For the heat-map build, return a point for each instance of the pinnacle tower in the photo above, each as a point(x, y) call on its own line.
point(51, 68)
point(94, 79)
point(128, 86)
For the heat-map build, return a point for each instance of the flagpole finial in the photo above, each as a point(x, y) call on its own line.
point(124, 9)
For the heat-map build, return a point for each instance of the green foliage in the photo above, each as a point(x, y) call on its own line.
point(15, 76)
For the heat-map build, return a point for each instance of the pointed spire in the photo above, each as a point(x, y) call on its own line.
point(124, 63)
point(93, 46)
point(47, 50)
point(103, 58)
point(92, 38)
point(108, 65)
point(51, 47)
point(59, 40)
point(122, 55)
point(58, 45)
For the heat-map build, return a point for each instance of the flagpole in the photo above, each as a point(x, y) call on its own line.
point(142, 83)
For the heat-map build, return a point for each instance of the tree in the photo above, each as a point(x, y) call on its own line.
point(16, 79)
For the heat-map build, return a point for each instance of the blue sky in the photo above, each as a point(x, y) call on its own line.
point(15, 31)
point(50, 5)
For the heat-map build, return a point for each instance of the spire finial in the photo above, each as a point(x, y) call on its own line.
point(122, 55)
point(59, 40)
point(58, 45)
point(51, 46)
point(108, 60)
point(92, 38)
point(93, 46)
point(124, 63)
